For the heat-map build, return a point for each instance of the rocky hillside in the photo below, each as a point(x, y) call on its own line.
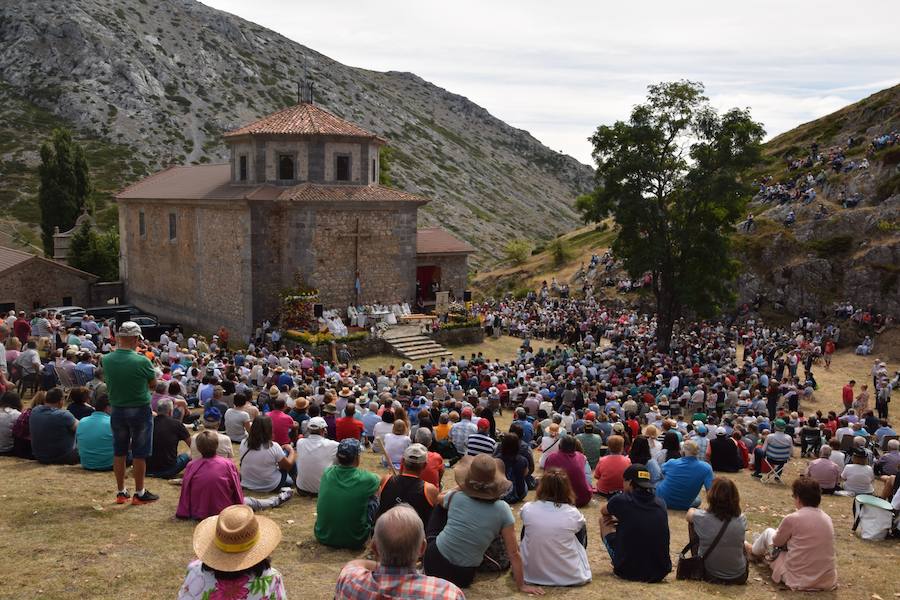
point(149, 84)
point(845, 244)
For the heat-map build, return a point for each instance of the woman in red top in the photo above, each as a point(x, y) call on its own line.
point(610, 468)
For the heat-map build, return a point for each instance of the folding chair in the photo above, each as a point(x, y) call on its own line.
point(772, 472)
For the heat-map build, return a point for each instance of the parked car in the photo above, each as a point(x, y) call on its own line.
point(151, 328)
point(109, 311)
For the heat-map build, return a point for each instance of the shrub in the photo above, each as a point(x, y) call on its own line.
point(559, 251)
point(824, 248)
point(461, 324)
point(517, 251)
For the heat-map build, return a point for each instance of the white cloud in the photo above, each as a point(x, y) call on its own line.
point(559, 69)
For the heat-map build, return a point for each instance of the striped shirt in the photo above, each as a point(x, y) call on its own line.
point(480, 443)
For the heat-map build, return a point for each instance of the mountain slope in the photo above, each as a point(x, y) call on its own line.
point(164, 80)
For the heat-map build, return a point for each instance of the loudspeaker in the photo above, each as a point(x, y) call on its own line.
point(467, 296)
point(122, 316)
point(318, 310)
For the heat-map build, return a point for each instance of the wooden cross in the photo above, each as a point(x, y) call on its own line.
point(356, 234)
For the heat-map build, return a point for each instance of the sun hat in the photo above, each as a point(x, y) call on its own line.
point(301, 403)
point(348, 448)
point(129, 329)
point(236, 539)
point(416, 454)
point(317, 424)
point(481, 476)
point(638, 475)
point(345, 392)
point(329, 409)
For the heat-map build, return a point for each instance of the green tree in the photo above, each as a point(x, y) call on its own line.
point(559, 251)
point(96, 253)
point(517, 251)
point(65, 185)
point(385, 158)
point(670, 176)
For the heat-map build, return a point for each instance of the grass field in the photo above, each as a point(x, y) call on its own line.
point(64, 538)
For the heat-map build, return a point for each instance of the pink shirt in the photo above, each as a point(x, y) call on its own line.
point(209, 485)
point(281, 427)
point(809, 563)
point(609, 471)
point(825, 472)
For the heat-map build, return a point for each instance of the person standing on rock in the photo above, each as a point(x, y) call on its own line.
point(129, 378)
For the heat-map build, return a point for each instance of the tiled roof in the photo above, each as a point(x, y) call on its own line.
point(435, 240)
point(10, 258)
point(187, 183)
point(304, 119)
point(348, 193)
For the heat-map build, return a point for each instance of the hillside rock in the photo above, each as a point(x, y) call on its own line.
point(164, 80)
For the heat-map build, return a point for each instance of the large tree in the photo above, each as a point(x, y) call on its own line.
point(96, 253)
point(670, 177)
point(65, 185)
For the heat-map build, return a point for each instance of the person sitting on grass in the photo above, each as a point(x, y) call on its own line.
point(554, 534)
point(858, 477)
point(409, 487)
point(397, 544)
point(95, 438)
point(825, 472)
point(10, 410)
point(634, 526)
point(265, 466)
point(683, 478)
point(53, 431)
point(611, 467)
point(165, 462)
point(727, 563)
point(347, 502)
point(801, 550)
point(574, 464)
point(233, 551)
point(79, 402)
point(315, 453)
point(211, 421)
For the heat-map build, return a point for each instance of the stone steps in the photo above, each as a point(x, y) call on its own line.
point(416, 346)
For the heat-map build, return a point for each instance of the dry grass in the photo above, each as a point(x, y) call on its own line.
point(63, 537)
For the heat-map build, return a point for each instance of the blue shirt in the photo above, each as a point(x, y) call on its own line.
point(95, 442)
point(369, 420)
point(682, 480)
point(52, 436)
point(87, 369)
point(883, 431)
point(527, 430)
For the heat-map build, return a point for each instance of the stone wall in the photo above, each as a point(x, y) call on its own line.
point(299, 150)
point(454, 271)
point(39, 282)
point(458, 337)
point(332, 150)
point(358, 349)
point(201, 278)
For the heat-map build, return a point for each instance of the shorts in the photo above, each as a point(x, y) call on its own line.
point(132, 429)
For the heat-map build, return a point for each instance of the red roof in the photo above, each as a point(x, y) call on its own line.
point(10, 258)
point(213, 182)
point(435, 240)
point(304, 119)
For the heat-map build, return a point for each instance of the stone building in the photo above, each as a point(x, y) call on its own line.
point(31, 281)
point(298, 203)
point(62, 240)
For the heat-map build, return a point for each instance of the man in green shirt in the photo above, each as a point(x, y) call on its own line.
point(129, 378)
point(347, 501)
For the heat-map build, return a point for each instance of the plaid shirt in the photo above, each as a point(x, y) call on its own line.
point(459, 434)
point(392, 583)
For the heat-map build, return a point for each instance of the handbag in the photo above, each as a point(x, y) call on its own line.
point(692, 567)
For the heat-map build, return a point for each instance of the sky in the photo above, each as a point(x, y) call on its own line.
point(560, 68)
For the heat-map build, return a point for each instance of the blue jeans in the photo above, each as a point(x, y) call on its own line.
point(132, 428)
point(181, 462)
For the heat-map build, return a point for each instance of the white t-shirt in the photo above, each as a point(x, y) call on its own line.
point(314, 454)
point(858, 479)
point(551, 554)
point(395, 445)
point(381, 429)
point(259, 468)
point(224, 450)
point(8, 417)
point(234, 424)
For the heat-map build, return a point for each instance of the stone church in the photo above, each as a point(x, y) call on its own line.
point(299, 202)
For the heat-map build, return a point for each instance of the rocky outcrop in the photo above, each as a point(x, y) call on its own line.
point(165, 79)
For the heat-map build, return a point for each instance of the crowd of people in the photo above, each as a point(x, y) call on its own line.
point(602, 417)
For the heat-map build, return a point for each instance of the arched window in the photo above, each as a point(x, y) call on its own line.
point(285, 167)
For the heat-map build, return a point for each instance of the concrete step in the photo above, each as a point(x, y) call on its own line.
point(417, 344)
point(419, 355)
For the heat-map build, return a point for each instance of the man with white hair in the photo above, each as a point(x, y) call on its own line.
point(398, 543)
point(825, 471)
point(165, 462)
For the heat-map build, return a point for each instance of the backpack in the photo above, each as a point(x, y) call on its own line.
point(874, 517)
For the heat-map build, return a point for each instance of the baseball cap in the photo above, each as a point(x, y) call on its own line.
point(212, 414)
point(467, 413)
point(618, 426)
point(639, 476)
point(721, 431)
point(780, 424)
point(415, 453)
point(483, 424)
point(129, 329)
point(348, 448)
point(317, 423)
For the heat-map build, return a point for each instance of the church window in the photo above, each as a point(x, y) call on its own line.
point(285, 167)
point(242, 169)
point(342, 172)
point(142, 224)
point(172, 226)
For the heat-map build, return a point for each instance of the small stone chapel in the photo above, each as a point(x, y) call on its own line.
point(298, 203)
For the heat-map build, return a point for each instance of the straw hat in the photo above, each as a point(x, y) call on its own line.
point(481, 476)
point(345, 392)
point(301, 403)
point(236, 539)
